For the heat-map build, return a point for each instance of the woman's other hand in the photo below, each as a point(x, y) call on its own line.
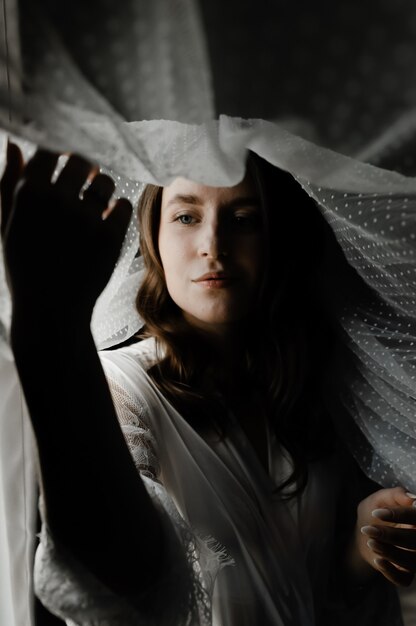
point(58, 249)
point(385, 537)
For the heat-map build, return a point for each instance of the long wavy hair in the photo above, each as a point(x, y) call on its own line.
point(287, 340)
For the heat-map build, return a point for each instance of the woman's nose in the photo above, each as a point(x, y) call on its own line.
point(213, 241)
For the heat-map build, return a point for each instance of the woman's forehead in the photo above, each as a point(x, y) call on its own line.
point(194, 191)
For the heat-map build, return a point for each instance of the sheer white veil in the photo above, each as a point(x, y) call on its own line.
point(151, 91)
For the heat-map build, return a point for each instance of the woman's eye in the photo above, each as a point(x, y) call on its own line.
point(185, 219)
point(247, 222)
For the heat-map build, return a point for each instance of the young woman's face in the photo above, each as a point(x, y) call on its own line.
point(212, 247)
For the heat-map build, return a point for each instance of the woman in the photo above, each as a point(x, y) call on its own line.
point(245, 510)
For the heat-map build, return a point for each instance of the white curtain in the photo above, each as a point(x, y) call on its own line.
point(153, 90)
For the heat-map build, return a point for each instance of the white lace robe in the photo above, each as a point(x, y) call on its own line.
point(250, 558)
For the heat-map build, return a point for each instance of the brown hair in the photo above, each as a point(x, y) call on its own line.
point(288, 339)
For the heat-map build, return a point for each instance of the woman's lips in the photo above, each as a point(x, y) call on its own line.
point(213, 280)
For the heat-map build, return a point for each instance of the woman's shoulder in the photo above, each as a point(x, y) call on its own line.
point(141, 352)
point(127, 366)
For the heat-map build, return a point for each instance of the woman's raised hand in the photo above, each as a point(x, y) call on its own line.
point(59, 250)
point(386, 534)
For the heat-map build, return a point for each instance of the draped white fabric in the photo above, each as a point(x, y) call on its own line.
point(154, 90)
point(17, 498)
point(219, 502)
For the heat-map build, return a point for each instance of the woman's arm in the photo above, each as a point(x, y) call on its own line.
point(59, 255)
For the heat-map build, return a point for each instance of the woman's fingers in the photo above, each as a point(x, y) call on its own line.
point(403, 537)
point(10, 178)
point(397, 515)
point(399, 497)
point(405, 559)
point(387, 519)
point(73, 175)
point(117, 220)
point(99, 191)
point(40, 167)
point(394, 541)
point(396, 576)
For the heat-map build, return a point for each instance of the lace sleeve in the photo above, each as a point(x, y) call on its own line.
point(182, 595)
point(131, 416)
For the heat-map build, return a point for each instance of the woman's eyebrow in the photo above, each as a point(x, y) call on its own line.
point(184, 199)
point(243, 201)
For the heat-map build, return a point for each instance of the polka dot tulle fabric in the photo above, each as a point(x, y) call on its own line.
point(324, 90)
